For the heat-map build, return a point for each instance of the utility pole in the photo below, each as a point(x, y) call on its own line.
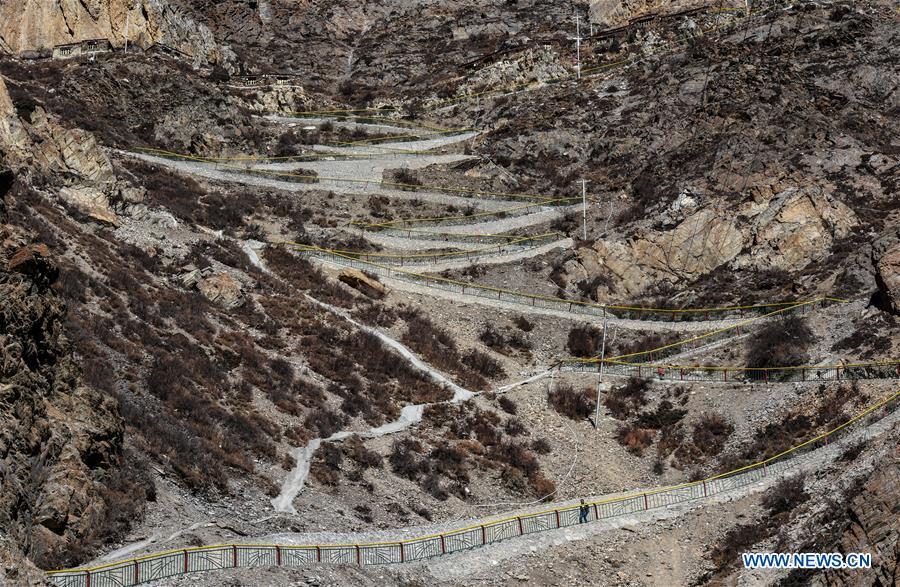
point(600, 378)
point(584, 208)
point(127, 24)
point(578, 43)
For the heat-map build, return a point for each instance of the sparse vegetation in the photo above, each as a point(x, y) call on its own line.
point(786, 495)
point(504, 341)
point(572, 403)
point(584, 341)
point(624, 401)
point(783, 342)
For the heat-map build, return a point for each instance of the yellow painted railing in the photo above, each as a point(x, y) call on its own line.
point(479, 533)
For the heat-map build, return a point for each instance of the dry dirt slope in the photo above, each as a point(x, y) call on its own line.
point(154, 290)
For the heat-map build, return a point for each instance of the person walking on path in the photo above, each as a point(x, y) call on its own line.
point(583, 512)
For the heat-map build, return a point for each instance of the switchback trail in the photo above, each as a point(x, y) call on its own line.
point(441, 546)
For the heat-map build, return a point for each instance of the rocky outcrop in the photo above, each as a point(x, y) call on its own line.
point(790, 230)
point(696, 246)
point(218, 287)
point(874, 528)
point(367, 285)
point(36, 24)
point(71, 158)
point(278, 99)
point(15, 569)
point(613, 13)
point(223, 289)
point(795, 228)
point(533, 65)
point(888, 277)
point(90, 201)
point(43, 144)
point(33, 261)
point(59, 440)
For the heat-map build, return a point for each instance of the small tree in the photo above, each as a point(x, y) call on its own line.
point(781, 343)
point(584, 340)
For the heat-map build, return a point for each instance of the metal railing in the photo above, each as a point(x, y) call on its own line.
point(851, 371)
point(307, 177)
point(573, 307)
point(173, 563)
point(519, 245)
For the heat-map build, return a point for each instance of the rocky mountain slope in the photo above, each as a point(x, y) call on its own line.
point(64, 480)
point(171, 375)
point(706, 191)
point(34, 25)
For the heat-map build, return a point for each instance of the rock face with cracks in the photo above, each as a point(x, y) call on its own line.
point(888, 276)
point(33, 25)
point(792, 229)
point(45, 147)
point(58, 438)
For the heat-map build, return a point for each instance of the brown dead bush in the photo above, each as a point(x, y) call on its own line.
point(635, 439)
point(584, 341)
point(572, 403)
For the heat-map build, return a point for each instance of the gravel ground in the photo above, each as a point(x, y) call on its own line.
point(509, 255)
point(209, 171)
point(459, 566)
point(643, 325)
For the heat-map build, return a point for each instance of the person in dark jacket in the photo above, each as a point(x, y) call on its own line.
point(583, 512)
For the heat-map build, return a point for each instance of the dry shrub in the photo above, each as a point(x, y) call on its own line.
point(178, 193)
point(831, 407)
point(514, 427)
point(584, 340)
point(359, 454)
point(736, 541)
point(786, 495)
point(541, 446)
point(405, 459)
point(438, 347)
point(523, 324)
point(624, 401)
point(483, 364)
point(324, 421)
point(646, 343)
point(783, 342)
point(711, 432)
point(324, 474)
point(503, 341)
point(407, 177)
point(572, 403)
point(507, 405)
point(663, 416)
point(542, 487)
point(635, 439)
point(377, 314)
point(773, 439)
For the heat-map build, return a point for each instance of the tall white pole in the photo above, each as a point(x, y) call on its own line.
point(600, 377)
point(578, 42)
point(127, 23)
point(584, 208)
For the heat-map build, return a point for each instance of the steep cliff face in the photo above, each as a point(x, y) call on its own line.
point(58, 439)
point(874, 527)
point(36, 24)
point(618, 12)
point(44, 148)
